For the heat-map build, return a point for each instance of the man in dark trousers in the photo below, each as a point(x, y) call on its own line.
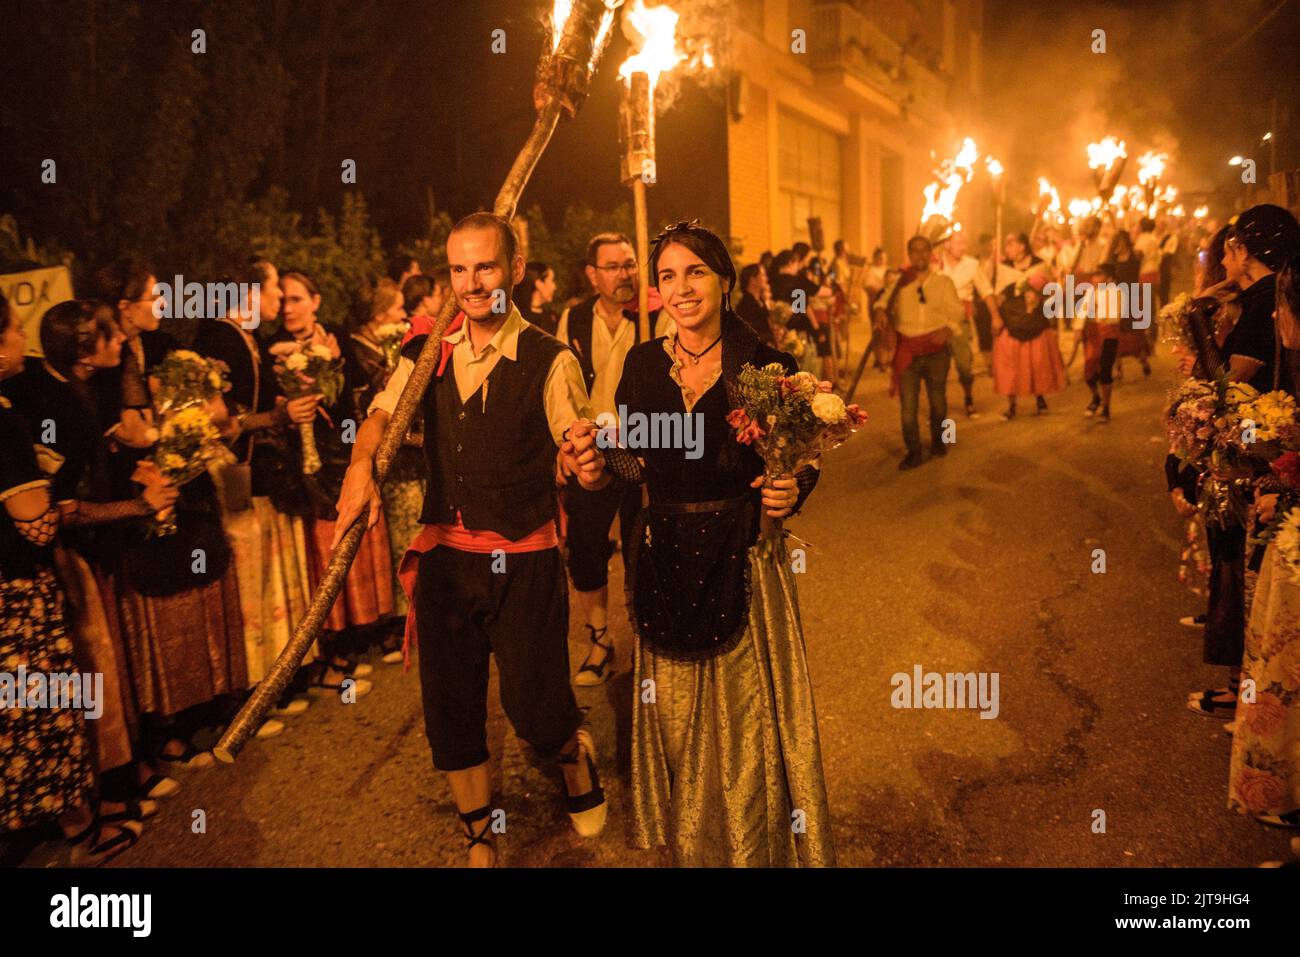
point(489, 579)
point(600, 331)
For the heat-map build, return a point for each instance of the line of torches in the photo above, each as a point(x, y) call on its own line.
point(1106, 159)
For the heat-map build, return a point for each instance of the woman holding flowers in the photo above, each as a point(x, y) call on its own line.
point(726, 764)
point(269, 544)
point(1264, 777)
point(309, 360)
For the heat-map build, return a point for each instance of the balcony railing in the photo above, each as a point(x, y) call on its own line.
point(843, 39)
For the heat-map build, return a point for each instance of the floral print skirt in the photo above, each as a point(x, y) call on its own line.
point(1264, 777)
point(46, 766)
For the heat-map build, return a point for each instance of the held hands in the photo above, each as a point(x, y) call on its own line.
point(779, 494)
point(359, 496)
point(581, 456)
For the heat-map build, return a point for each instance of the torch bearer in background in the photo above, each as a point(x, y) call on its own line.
point(1151, 167)
point(1106, 160)
point(579, 32)
point(996, 174)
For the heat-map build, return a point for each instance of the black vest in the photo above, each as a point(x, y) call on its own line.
point(495, 464)
point(581, 317)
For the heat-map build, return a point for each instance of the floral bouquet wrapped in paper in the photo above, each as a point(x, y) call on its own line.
point(789, 419)
point(308, 368)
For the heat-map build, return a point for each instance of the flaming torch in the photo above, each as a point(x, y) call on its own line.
point(653, 32)
point(1151, 166)
point(1106, 160)
point(941, 195)
point(579, 32)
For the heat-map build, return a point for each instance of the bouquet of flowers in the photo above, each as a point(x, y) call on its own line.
point(1175, 316)
point(1287, 542)
point(789, 419)
point(1205, 424)
point(390, 336)
point(185, 378)
point(308, 368)
point(1207, 432)
point(188, 442)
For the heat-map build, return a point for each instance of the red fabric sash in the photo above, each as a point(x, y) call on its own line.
point(913, 347)
point(423, 326)
point(467, 540)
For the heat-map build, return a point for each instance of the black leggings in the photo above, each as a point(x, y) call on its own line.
point(1109, 350)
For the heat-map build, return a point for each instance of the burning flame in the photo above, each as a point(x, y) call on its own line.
point(657, 52)
point(941, 196)
point(1200, 212)
point(1178, 211)
point(1105, 153)
point(1047, 189)
point(994, 167)
point(559, 17)
point(966, 157)
point(1080, 207)
point(1151, 166)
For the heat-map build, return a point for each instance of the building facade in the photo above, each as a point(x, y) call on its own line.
point(833, 109)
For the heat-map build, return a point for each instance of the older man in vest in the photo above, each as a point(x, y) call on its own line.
point(600, 331)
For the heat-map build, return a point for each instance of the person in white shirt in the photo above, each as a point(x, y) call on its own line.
point(922, 306)
point(970, 280)
point(600, 331)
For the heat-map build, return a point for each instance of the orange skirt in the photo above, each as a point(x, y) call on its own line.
point(367, 593)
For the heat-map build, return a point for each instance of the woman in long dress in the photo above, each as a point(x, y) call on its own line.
point(269, 545)
point(403, 489)
point(1264, 776)
point(367, 593)
point(46, 758)
point(1026, 349)
point(726, 764)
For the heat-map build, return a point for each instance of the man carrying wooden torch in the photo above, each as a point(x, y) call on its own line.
point(499, 398)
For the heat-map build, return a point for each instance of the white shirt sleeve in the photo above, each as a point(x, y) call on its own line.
point(565, 395)
point(386, 401)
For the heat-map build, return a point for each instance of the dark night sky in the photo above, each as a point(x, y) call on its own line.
point(1181, 75)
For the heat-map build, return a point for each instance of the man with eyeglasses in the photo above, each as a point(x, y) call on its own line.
point(923, 307)
point(600, 331)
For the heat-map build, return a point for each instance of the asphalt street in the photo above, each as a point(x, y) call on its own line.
point(982, 561)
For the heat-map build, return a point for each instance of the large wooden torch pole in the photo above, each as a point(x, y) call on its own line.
point(562, 79)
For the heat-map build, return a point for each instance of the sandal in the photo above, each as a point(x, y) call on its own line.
point(1206, 703)
point(91, 848)
point(468, 820)
point(586, 811)
point(159, 786)
point(135, 810)
point(191, 757)
point(590, 675)
point(359, 687)
point(1289, 819)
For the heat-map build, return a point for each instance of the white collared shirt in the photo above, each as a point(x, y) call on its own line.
point(565, 392)
point(967, 276)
